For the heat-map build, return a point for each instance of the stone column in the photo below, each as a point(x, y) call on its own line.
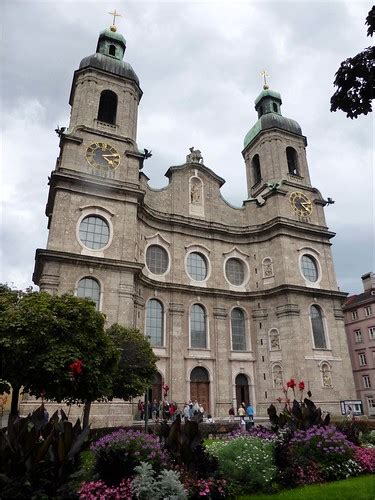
point(177, 352)
point(222, 377)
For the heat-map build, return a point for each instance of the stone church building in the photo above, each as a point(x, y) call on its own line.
point(235, 301)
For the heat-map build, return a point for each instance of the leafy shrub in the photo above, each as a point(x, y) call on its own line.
point(98, 489)
point(365, 457)
point(117, 454)
point(368, 438)
point(353, 429)
point(167, 485)
point(248, 461)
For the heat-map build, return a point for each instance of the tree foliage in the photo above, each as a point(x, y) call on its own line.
point(355, 81)
point(42, 335)
point(137, 364)
point(56, 347)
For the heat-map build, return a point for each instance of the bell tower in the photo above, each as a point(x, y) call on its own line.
point(274, 148)
point(94, 190)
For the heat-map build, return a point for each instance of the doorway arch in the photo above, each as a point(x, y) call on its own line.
point(200, 387)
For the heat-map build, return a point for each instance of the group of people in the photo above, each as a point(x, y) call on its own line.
point(164, 410)
point(246, 414)
point(157, 410)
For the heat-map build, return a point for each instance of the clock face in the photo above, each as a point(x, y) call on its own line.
point(300, 204)
point(102, 156)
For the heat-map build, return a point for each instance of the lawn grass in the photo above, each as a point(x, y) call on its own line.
point(355, 488)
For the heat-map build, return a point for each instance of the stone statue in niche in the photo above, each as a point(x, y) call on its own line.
point(195, 156)
point(326, 376)
point(267, 268)
point(277, 377)
point(196, 191)
point(275, 340)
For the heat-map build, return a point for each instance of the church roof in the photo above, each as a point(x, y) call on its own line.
point(111, 65)
point(268, 104)
point(272, 120)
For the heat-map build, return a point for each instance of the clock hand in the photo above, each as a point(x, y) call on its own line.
point(306, 204)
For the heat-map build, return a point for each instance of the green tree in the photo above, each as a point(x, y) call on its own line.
point(44, 338)
point(137, 364)
point(355, 79)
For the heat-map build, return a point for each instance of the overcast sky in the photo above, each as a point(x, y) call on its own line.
point(199, 67)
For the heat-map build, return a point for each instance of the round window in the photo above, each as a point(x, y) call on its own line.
point(157, 259)
point(94, 232)
point(197, 266)
point(309, 268)
point(235, 272)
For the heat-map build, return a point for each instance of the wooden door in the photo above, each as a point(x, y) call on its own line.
point(200, 391)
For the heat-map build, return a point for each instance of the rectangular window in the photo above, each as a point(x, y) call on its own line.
point(366, 381)
point(371, 405)
point(368, 311)
point(354, 314)
point(371, 333)
point(362, 359)
point(357, 336)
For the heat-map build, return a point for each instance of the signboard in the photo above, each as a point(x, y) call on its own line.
point(352, 406)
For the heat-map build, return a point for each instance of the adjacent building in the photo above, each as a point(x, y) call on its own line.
point(359, 313)
point(235, 301)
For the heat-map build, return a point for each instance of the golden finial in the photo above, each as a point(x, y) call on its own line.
point(265, 74)
point(114, 14)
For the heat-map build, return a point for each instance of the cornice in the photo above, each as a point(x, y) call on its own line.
point(278, 225)
point(70, 180)
point(236, 295)
point(42, 255)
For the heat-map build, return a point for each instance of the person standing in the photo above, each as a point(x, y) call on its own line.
point(231, 413)
point(250, 415)
point(241, 411)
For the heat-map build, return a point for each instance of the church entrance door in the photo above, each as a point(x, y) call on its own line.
point(200, 387)
point(242, 390)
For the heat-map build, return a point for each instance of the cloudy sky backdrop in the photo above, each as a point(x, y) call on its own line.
point(199, 65)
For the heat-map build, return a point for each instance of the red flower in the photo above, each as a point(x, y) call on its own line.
point(76, 367)
point(301, 385)
point(291, 383)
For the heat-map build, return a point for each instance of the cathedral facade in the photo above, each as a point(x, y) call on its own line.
point(235, 301)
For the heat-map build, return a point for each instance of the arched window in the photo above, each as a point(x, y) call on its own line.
point(89, 288)
point(107, 107)
point(155, 322)
point(112, 50)
point(260, 112)
point(277, 376)
point(198, 328)
point(291, 156)
point(318, 327)
point(274, 105)
point(256, 169)
point(237, 320)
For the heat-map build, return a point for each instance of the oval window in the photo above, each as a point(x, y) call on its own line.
point(157, 259)
point(235, 272)
point(94, 232)
point(309, 268)
point(197, 266)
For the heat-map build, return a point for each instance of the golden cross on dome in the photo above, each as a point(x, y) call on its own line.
point(114, 14)
point(265, 74)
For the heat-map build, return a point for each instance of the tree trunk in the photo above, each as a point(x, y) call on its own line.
point(86, 414)
point(14, 403)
